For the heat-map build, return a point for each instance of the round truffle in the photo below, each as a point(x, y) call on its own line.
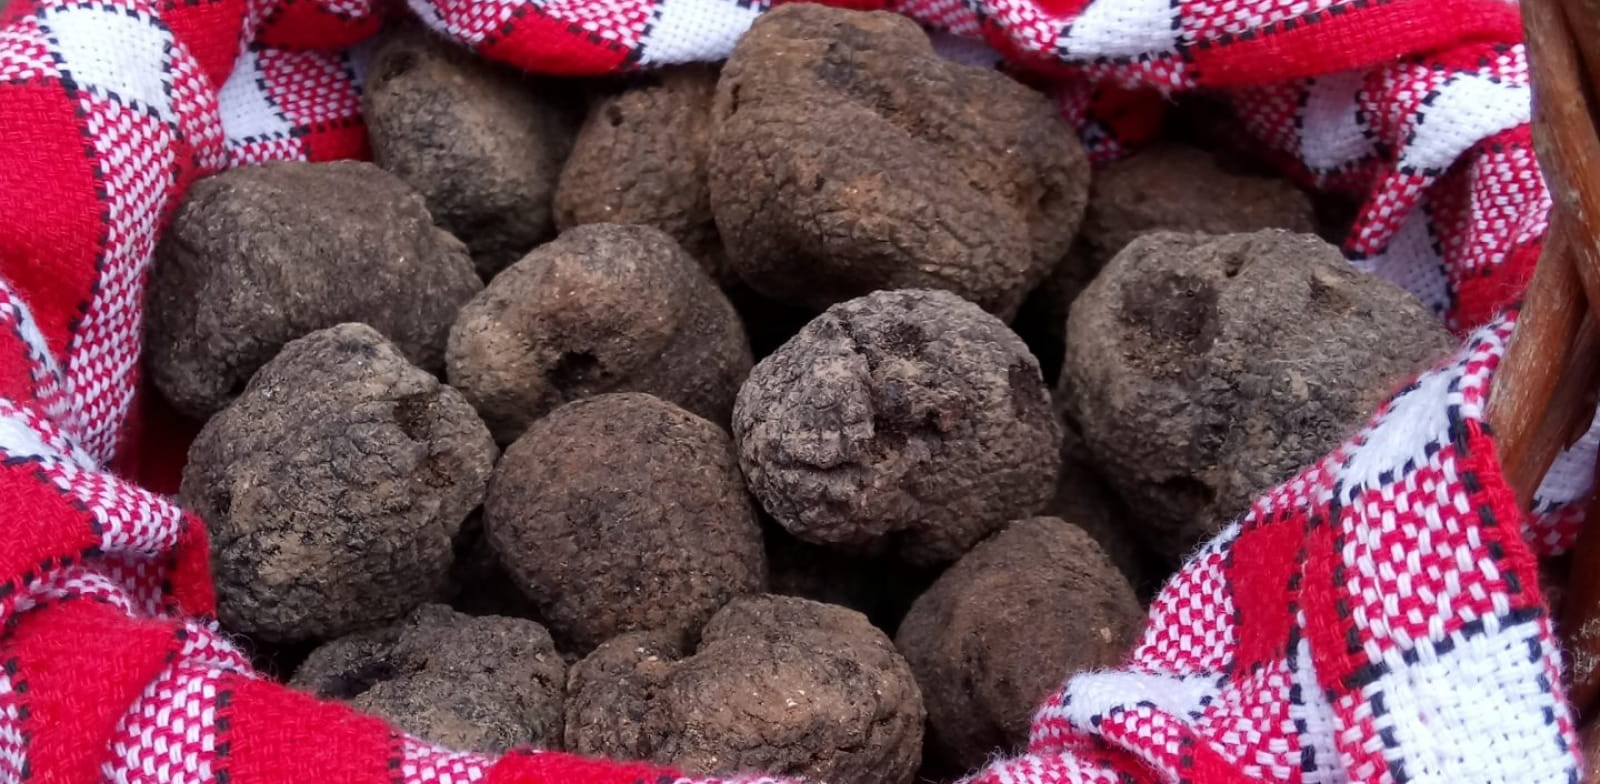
point(848, 157)
point(1005, 625)
point(481, 683)
point(1203, 370)
point(1164, 188)
point(333, 486)
point(641, 158)
point(905, 418)
point(260, 255)
point(623, 512)
point(603, 308)
point(782, 685)
point(483, 144)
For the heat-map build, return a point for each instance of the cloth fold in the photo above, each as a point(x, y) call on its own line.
point(1374, 619)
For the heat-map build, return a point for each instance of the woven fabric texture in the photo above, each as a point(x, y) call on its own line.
point(1375, 619)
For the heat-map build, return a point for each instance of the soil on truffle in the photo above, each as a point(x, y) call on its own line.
point(260, 255)
point(481, 683)
point(907, 421)
point(1203, 370)
point(641, 158)
point(603, 308)
point(848, 157)
point(333, 487)
point(623, 512)
point(781, 685)
point(1004, 626)
point(482, 143)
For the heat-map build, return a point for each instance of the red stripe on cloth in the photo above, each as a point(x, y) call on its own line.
point(270, 734)
point(83, 664)
point(210, 30)
point(1329, 42)
point(537, 42)
point(41, 523)
point(556, 768)
point(51, 221)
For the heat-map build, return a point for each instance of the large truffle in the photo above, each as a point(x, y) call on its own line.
point(623, 512)
point(781, 685)
point(603, 308)
point(641, 158)
point(1005, 626)
point(1202, 370)
point(482, 143)
point(333, 486)
point(849, 157)
point(260, 255)
point(481, 683)
point(905, 418)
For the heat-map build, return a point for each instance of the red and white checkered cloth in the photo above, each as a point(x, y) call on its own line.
point(1376, 619)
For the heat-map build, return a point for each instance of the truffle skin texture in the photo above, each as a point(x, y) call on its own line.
point(641, 158)
point(848, 157)
point(1203, 370)
point(1003, 627)
point(483, 683)
point(260, 255)
point(621, 513)
point(905, 417)
point(333, 487)
point(603, 308)
point(786, 686)
point(483, 144)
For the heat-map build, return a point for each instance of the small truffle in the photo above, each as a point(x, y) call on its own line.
point(481, 683)
point(781, 685)
point(1164, 188)
point(623, 512)
point(641, 158)
point(905, 418)
point(483, 144)
point(1005, 626)
point(603, 308)
point(333, 487)
point(260, 255)
point(848, 157)
point(1203, 370)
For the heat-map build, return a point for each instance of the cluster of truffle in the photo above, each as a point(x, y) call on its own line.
point(488, 451)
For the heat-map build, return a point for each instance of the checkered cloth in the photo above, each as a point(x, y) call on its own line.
point(1375, 619)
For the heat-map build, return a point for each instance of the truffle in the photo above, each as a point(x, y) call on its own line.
point(333, 486)
point(641, 158)
point(481, 683)
point(482, 143)
point(848, 157)
point(909, 420)
point(1203, 370)
point(603, 308)
point(623, 512)
point(1004, 626)
point(260, 255)
point(781, 685)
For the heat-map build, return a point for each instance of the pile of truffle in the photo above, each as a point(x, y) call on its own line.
point(487, 451)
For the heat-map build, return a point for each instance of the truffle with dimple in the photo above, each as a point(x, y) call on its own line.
point(623, 512)
point(1005, 625)
point(260, 255)
point(848, 157)
point(603, 308)
point(641, 158)
point(333, 487)
point(910, 420)
point(782, 685)
point(1202, 370)
point(482, 683)
point(482, 143)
